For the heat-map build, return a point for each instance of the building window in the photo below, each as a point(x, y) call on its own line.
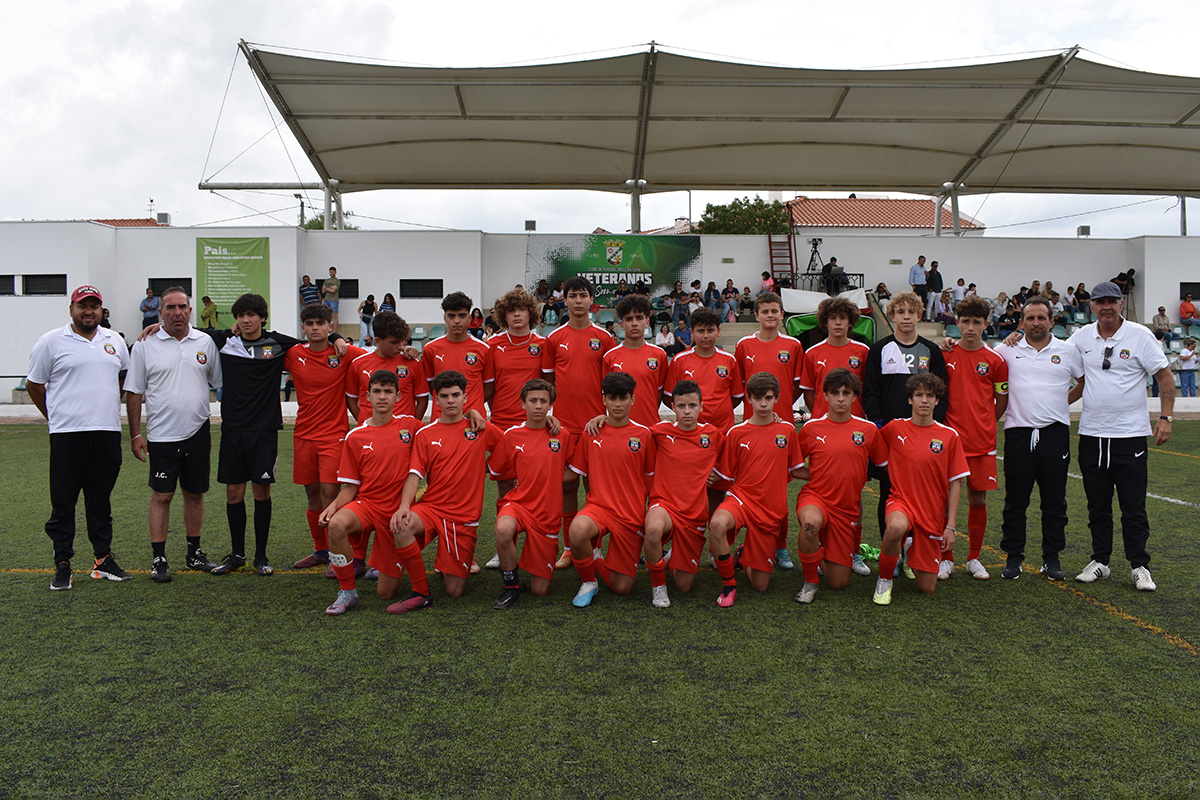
point(43, 284)
point(420, 289)
point(349, 289)
point(8, 284)
point(160, 285)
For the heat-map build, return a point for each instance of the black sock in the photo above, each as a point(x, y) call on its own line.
point(193, 544)
point(236, 512)
point(510, 579)
point(262, 527)
point(159, 548)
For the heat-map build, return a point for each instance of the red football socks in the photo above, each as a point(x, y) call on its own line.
point(725, 570)
point(887, 565)
point(320, 536)
point(603, 572)
point(976, 528)
point(658, 573)
point(414, 567)
point(810, 562)
point(586, 568)
point(345, 576)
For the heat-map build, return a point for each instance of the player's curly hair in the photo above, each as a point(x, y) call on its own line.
point(974, 306)
point(457, 301)
point(837, 307)
point(925, 382)
point(388, 324)
point(250, 303)
point(384, 377)
point(908, 300)
point(705, 316)
point(634, 302)
point(446, 379)
point(511, 301)
point(841, 378)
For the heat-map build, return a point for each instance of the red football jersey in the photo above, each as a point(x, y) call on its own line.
point(720, 381)
point(648, 366)
point(376, 459)
point(757, 459)
point(838, 454)
point(514, 361)
point(452, 459)
point(472, 358)
point(783, 357)
point(411, 377)
point(617, 460)
point(574, 357)
point(822, 358)
point(318, 378)
point(924, 459)
point(973, 379)
point(683, 462)
point(538, 461)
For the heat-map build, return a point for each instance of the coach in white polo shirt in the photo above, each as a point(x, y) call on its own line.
point(172, 369)
point(1112, 361)
point(75, 381)
point(1037, 438)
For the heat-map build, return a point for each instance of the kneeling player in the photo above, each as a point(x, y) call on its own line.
point(927, 468)
point(536, 459)
point(759, 456)
point(619, 463)
point(451, 457)
point(685, 454)
point(839, 447)
point(375, 461)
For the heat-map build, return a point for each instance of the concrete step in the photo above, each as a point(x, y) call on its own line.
point(732, 331)
point(931, 330)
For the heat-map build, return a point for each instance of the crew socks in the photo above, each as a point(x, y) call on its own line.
point(193, 545)
point(511, 581)
point(159, 548)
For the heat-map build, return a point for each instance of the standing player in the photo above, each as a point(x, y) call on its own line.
point(759, 456)
point(458, 350)
point(837, 316)
point(840, 446)
point(619, 460)
point(374, 466)
point(647, 363)
point(686, 452)
point(977, 385)
point(319, 375)
point(537, 459)
point(451, 457)
point(391, 335)
point(783, 356)
point(715, 371)
point(571, 361)
point(928, 464)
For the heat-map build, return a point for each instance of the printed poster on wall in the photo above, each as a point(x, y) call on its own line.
point(226, 269)
point(607, 259)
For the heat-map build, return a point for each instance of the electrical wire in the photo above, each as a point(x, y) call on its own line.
point(1081, 213)
point(282, 143)
point(220, 111)
point(239, 155)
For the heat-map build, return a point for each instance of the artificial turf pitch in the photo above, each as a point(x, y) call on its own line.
point(241, 686)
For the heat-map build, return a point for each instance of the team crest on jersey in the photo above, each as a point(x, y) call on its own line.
point(722, 371)
point(405, 435)
point(334, 361)
point(202, 358)
point(923, 362)
point(982, 368)
point(535, 349)
point(855, 362)
point(705, 441)
point(470, 435)
point(402, 372)
point(1124, 354)
point(555, 445)
point(635, 444)
point(781, 441)
point(652, 363)
point(1055, 360)
point(936, 445)
point(108, 348)
point(858, 437)
point(594, 344)
point(268, 351)
point(472, 359)
point(784, 356)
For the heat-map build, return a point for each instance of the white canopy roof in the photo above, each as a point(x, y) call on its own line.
point(1057, 123)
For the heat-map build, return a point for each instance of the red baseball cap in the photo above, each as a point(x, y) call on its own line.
point(84, 292)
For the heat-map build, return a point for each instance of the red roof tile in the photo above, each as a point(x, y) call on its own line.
point(129, 223)
point(853, 212)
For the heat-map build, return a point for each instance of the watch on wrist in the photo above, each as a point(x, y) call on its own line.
point(1166, 418)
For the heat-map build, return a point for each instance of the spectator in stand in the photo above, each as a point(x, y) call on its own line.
point(683, 339)
point(1124, 282)
point(746, 303)
point(640, 288)
point(1035, 289)
point(149, 307)
point(1058, 314)
point(1070, 304)
point(712, 296)
point(388, 303)
point(611, 327)
point(768, 283)
point(1161, 325)
point(665, 339)
point(729, 296)
point(960, 291)
point(934, 285)
point(621, 291)
point(881, 291)
point(1187, 311)
point(1187, 368)
point(330, 294)
point(541, 293)
point(917, 280)
point(999, 305)
point(1010, 320)
point(943, 307)
point(366, 315)
point(475, 323)
point(1048, 290)
point(1021, 297)
point(679, 299)
point(694, 303)
point(971, 290)
point(105, 322)
point(1083, 300)
point(310, 294)
point(490, 328)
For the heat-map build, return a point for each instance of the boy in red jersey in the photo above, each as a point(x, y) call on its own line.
point(620, 463)
point(374, 466)
point(686, 451)
point(927, 468)
point(451, 457)
point(319, 374)
point(458, 350)
point(646, 363)
point(839, 447)
point(768, 350)
point(759, 456)
point(977, 389)
point(391, 336)
point(837, 316)
point(571, 361)
point(537, 460)
point(715, 371)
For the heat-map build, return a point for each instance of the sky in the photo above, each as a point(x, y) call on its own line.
point(113, 108)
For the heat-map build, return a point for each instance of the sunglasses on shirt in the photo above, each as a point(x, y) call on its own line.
point(1107, 363)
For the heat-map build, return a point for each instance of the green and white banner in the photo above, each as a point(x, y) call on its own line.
point(226, 269)
point(605, 260)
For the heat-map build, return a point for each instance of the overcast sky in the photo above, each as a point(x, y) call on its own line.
point(107, 105)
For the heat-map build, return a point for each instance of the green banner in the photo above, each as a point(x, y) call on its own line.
point(226, 269)
point(606, 259)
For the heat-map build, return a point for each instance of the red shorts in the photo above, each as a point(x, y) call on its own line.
point(687, 540)
point(455, 541)
point(372, 518)
point(624, 542)
point(759, 549)
point(540, 550)
point(841, 534)
point(315, 462)
point(983, 473)
point(926, 551)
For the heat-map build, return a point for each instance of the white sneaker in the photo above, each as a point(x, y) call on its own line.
point(858, 566)
point(807, 593)
point(597, 553)
point(976, 570)
point(1093, 571)
point(493, 562)
point(658, 597)
point(945, 570)
point(1142, 580)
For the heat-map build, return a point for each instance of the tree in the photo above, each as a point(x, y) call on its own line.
point(317, 223)
point(745, 216)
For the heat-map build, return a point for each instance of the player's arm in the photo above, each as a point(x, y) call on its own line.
point(407, 494)
point(593, 425)
point(133, 409)
point(808, 394)
point(352, 405)
point(37, 393)
point(476, 419)
point(1001, 403)
point(1166, 393)
point(800, 473)
point(345, 495)
point(952, 498)
point(422, 405)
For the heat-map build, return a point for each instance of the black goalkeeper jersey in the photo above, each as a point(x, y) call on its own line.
point(251, 372)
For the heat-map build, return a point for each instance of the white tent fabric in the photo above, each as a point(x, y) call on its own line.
point(1057, 123)
point(798, 301)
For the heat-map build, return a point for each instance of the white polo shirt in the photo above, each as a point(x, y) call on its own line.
point(82, 379)
point(1038, 383)
point(1114, 399)
point(174, 376)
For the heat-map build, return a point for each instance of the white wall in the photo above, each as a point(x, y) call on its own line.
point(504, 264)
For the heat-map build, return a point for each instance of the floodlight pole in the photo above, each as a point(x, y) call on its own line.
point(1182, 215)
point(937, 215)
point(328, 208)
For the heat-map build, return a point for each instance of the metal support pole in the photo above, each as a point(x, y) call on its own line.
point(635, 209)
point(341, 217)
point(328, 208)
point(1182, 215)
point(954, 211)
point(937, 216)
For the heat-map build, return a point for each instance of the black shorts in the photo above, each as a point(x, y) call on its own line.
point(187, 462)
point(247, 457)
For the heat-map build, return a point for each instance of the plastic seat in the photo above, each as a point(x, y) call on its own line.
point(605, 315)
point(1176, 345)
point(1194, 331)
point(1059, 332)
point(953, 332)
point(419, 333)
point(436, 331)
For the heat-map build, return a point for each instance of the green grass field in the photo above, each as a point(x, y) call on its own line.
point(241, 686)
